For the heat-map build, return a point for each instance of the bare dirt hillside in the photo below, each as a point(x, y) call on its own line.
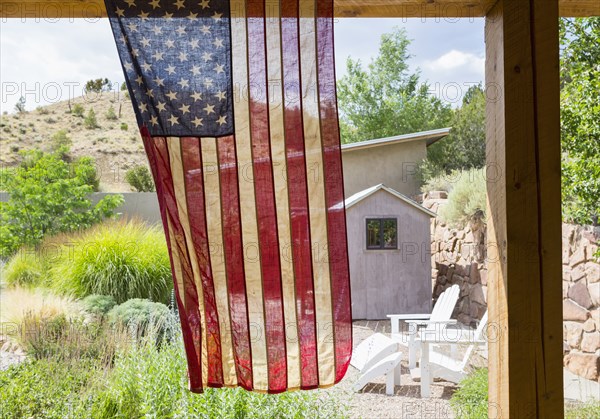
point(116, 144)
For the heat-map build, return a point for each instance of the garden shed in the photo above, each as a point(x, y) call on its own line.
point(390, 256)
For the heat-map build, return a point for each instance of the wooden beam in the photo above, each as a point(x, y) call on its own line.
point(524, 236)
point(435, 9)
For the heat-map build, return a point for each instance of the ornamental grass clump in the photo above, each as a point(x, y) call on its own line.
point(124, 260)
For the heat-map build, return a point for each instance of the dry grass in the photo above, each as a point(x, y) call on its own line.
point(16, 303)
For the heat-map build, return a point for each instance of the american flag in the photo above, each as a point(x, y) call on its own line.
point(236, 105)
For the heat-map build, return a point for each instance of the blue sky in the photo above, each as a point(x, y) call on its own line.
point(46, 61)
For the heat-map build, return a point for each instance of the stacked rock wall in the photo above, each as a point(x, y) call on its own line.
point(459, 257)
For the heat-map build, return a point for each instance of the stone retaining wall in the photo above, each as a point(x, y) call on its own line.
point(459, 257)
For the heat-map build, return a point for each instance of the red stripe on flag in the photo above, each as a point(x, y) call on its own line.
point(298, 195)
point(194, 189)
point(188, 313)
point(265, 198)
point(234, 263)
point(334, 190)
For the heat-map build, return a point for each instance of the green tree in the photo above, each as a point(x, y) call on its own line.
point(98, 85)
point(466, 142)
point(580, 119)
point(60, 143)
point(90, 120)
point(386, 99)
point(47, 196)
point(110, 114)
point(140, 179)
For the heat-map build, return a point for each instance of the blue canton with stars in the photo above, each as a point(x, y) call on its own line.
point(176, 55)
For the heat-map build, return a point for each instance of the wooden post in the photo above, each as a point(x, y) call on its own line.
point(524, 221)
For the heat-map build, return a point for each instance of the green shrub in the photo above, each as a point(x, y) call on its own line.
point(71, 338)
point(49, 389)
point(139, 312)
point(90, 121)
point(25, 269)
point(151, 382)
point(78, 110)
point(441, 182)
point(140, 179)
point(48, 196)
point(124, 126)
point(470, 401)
point(121, 259)
point(60, 143)
point(110, 114)
point(466, 199)
point(589, 410)
point(98, 305)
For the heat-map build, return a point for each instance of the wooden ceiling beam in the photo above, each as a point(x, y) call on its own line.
point(93, 9)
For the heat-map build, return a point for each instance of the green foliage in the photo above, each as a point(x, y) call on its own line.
point(85, 168)
point(90, 121)
point(150, 382)
point(60, 143)
point(25, 269)
point(49, 389)
point(140, 178)
point(42, 111)
point(20, 105)
point(123, 86)
point(48, 196)
point(385, 99)
point(110, 114)
point(78, 110)
point(98, 305)
point(580, 119)
point(5, 174)
point(589, 410)
point(467, 198)
point(141, 380)
point(98, 85)
point(464, 148)
point(140, 312)
point(470, 401)
point(124, 126)
point(121, 259)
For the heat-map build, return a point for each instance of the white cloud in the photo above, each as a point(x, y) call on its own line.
point(456, 60)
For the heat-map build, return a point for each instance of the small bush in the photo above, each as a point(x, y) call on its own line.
point(98, 305)
point(124, 126)
point(470, 401)
point(24, 269)
point(60, 142)
point(42, 111)
point(78, 110)
point(140, 179)
point(162, 392)
point(143, 317)
point(71, 339)
point(49, 389)
point(589, 410)
point(121, 259)
point(466, 199)
point(110, 114)
point(90, 121)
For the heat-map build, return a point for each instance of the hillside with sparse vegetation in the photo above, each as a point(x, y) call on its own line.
point(100, 125)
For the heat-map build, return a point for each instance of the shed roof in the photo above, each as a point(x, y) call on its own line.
point(359, 196)
point(429, 136)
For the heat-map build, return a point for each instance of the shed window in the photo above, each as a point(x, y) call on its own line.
point(382, 233)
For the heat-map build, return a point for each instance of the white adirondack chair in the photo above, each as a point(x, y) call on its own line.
point(437, 365)
point(436, 321)
point(376, 356)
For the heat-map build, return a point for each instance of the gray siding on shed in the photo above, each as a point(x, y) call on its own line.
point(389, 281)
